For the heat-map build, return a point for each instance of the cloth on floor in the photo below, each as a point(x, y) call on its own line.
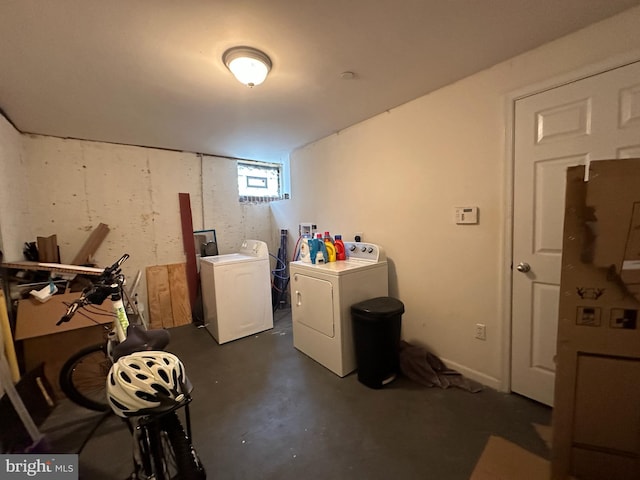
point(424, 367)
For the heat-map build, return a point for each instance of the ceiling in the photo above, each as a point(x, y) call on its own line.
point(150, 73)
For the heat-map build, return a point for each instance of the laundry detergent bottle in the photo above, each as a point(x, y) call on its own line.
point(321, 250)
point(331, 249)
point(313, 250)
point(341, 252)
point(305, 252)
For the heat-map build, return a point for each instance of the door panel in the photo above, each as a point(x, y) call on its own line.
point(544, 332)
point(563, 122)
point(629, 106)
point(594, 118)
point(549, 191)
point(313, 302)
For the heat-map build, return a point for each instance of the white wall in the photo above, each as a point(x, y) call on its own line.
point(14, 231)
point(398, 176)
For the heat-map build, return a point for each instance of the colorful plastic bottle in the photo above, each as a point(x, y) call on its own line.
point(313, 249)
point(341, 252)
point(305, 252)
point(331, 250)
point(321, 255)
point(320, 249)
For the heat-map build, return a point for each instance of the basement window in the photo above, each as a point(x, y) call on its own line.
point(260, 181)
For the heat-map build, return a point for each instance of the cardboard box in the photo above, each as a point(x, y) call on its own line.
point(43, 341)
point(503, 460)
point(596, 416)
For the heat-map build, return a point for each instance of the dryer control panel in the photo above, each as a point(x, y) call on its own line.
point(364, 251)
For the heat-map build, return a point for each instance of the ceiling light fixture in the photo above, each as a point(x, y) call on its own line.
point(248, 65)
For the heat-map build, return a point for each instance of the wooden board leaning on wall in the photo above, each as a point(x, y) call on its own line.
point(168, 296)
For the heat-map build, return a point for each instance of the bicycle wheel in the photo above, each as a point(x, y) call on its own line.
point(83, 377)
point(173, 454)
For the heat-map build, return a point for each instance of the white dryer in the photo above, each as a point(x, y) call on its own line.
point(236, 292)
point(321, 298)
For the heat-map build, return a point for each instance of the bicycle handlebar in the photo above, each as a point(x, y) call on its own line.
point(114, 269)
point(109, 283)
point(71, 310)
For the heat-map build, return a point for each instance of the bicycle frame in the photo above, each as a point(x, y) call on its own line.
point(111, 284)
point(146, 434)
point(122, 339)
point(149, 432)
point(119, 326)
point(121, 320)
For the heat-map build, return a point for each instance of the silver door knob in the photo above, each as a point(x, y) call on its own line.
point(523, 267)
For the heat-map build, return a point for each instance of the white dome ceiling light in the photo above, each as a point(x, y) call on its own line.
point(248, 65)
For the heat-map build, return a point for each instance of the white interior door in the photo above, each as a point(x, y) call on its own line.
point(591, 119)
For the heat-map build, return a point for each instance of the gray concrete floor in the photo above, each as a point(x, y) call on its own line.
point(263, 410)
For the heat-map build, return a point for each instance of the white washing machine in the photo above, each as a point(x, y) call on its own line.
point(236, 292)
point(321, 298)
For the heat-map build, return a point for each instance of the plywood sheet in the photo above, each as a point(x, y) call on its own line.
point(180, 304)
point(159, 297)
point(168, 296)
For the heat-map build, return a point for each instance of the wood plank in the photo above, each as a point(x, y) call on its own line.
point(48, 249)
point(189, 245)
point(180, 304)
point(88, 250)
point(6, 341)
point(53, 267)
point(159, 297)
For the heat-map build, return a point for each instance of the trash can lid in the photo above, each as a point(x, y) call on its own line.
point(379, 307)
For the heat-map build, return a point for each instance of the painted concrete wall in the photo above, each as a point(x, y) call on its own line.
point(233, 221)
point(14, 231)
point(13, 208)
point(74, 185)
point(398, 176)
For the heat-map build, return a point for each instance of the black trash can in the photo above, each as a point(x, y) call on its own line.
point(376, 336)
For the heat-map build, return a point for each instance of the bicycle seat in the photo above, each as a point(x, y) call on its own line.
point(140, 340)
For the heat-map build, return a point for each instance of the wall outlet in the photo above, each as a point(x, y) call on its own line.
point(481, 331)
point(358, 234)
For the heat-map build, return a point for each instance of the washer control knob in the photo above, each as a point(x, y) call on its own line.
point(352, 248)
point(364, 249)
point(370, 250)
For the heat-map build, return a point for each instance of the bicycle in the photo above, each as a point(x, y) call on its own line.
point(82, 377)
point(146, 389)
point(130, 375)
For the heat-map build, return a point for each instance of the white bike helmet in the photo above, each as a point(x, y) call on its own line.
point(147, 382)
